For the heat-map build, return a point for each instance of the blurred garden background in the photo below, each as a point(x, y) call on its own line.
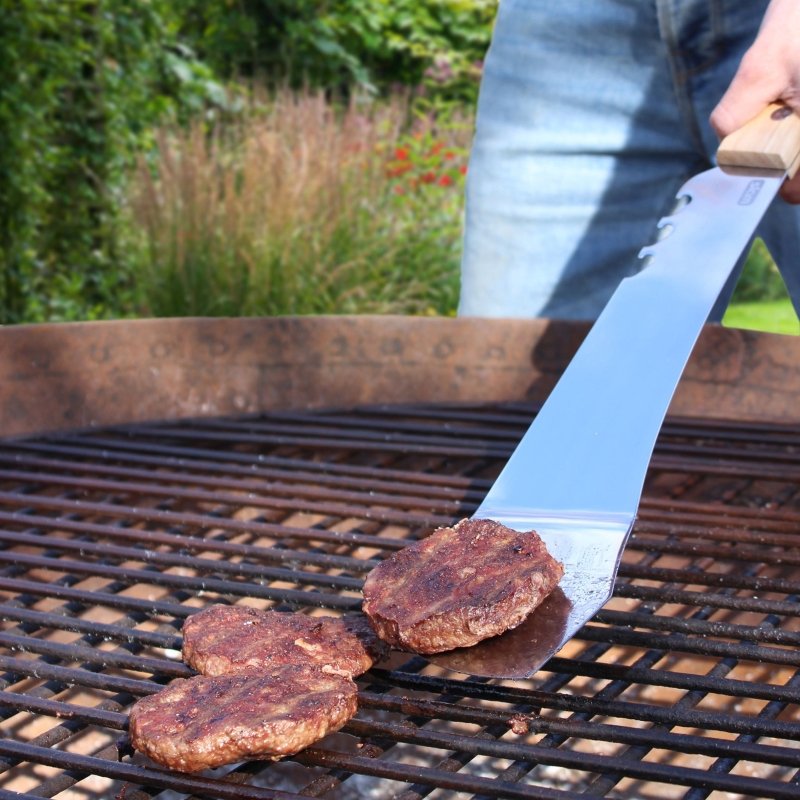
point(246, 157)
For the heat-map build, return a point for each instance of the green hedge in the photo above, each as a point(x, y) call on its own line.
point(81, 85)
point(372, 44)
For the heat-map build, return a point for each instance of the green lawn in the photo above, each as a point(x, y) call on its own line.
point(774, 316)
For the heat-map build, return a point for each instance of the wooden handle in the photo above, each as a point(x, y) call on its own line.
point(770, 140)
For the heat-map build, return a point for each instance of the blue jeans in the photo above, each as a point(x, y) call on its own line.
point(591, 116)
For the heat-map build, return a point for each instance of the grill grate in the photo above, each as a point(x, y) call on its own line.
point(686, 685)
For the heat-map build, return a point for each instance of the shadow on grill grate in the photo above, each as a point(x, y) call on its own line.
point(685, 685)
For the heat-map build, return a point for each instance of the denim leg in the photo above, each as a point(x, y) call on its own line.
point(562, 191)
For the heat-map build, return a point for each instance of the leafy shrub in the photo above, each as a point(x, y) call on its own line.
point(760, 279)
point(81, 84)
point(372, 44)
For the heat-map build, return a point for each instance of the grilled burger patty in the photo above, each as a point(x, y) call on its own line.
point(202, 722)
point(458, 586)
point(224, 639)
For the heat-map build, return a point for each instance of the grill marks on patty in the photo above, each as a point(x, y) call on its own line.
point(459, 586)
point(202, 722)
point(223, 639)
point(271, 683)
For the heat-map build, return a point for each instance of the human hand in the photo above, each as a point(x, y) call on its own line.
point(769, 71)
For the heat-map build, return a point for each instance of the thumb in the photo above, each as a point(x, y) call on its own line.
point(750, 91)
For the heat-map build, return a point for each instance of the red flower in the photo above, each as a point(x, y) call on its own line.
point(463, 169)
point(401, 153)
point(395, 170)
point(428, 177)
point(445, 180)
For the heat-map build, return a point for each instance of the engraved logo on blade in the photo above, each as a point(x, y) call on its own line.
point(751, 192)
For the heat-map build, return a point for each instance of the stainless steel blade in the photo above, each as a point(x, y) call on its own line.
point(576, 476)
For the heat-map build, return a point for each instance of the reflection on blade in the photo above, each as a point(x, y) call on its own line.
point(517, 653)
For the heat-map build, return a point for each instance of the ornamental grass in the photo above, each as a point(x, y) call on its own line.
point(303, 206)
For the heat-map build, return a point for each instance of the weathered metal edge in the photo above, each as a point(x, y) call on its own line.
point(77, 375)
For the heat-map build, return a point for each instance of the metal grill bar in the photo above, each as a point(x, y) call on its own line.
point(201, 486)
point(653, 737)
point(479, 746)
point(686, 683)
point(176, 560)
point(158, 491)
point(89, 765)
point(200, 584)
point(103, 449)
point(176, 540)
point(169, 518)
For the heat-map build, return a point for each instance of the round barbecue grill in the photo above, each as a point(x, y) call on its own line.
point(149, 469)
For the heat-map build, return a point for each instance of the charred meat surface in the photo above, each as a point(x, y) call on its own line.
point(458, 586)
point(223, 639)
point(203, 722)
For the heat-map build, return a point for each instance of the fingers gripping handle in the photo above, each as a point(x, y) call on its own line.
point(771, 140)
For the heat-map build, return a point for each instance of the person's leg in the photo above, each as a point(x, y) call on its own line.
point(580, 147)
point(590, 118)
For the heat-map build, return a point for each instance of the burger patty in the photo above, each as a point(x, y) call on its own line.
point(223, 639)
point(458, 586)
point(204, 722)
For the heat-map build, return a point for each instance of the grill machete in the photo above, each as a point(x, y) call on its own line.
point(576, 476)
